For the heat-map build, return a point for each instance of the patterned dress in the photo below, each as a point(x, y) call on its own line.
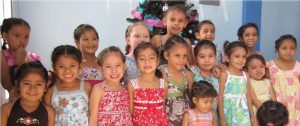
point(200, 119)
point(71, 107)
point(148, 105)
point(261, 89)
point(176, 102)
point(131, 70)
point(114, 108)
point(287, 89)
point(91, 75)
point(235, 101)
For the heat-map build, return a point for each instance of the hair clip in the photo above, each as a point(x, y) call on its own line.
point(270, 124)
point(165, 7)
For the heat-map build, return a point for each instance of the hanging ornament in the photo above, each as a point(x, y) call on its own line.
point(165, 7)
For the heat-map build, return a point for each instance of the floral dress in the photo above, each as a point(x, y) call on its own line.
point(114, 108)
point(176, 102)
point(91, 75)
point(149, 105)
point(71, 107)
point(235, 101)
point(131, 70)
point(287, 89)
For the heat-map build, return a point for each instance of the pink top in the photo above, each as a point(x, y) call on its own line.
point(10, 57)
point(200, 119)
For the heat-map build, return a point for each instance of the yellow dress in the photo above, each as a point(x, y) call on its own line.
point(261, 90)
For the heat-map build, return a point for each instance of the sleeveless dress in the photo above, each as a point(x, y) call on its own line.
point(71, 107)
point(114, 108)
point(200, 119)
point(13, 95)
point(19, 117)
point(149, 105)
point(176, 102)
point(235, 101)
point(262, 90)
point(131, 71)
point(287, 89)
point(91, 75)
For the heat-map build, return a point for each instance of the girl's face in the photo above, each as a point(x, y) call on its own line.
point(138, 34)
point(177, 56)
point(204, 105)
point(17, 36)
point(67, 68)
point(147, 61)
point(287, 50)
point(207, 32)
point(32, 87)
point(175, 21)
point(256, 69)
point(113, 68)
point(237, 59)
point(250, 37)
point(206, 58)
point(88, 42)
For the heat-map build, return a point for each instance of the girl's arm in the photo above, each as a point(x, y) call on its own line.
point(5, 111)
point(131, 96)
point(51, 116)
point(95, 98)
point(190, 77)
point(185, 119)
point(5, 78)
point(249, 101)
point(216, 71)
point(47, 97)
point(87, 88)
point(214, 119)
point(222, 81)
point(254, 99)
point(272, 92)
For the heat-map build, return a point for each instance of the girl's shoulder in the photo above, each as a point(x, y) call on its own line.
point(155, 40)
point(6, 107)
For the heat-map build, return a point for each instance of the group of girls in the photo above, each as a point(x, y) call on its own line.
point(161, 81)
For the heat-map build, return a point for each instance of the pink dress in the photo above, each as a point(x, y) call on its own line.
point(91, 75)
point(200, 119)
point(287, 89)
point(114, 108)
point(148, 105)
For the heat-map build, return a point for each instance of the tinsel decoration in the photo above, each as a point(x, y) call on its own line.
point(152, 11)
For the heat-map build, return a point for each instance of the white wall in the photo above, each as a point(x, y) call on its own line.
point(279, 18)
point(52, 22)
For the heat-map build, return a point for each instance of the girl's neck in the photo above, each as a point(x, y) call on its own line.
point(89, 60)
point(29, 106)
point(250, 51)
point(173, 70)
point(112, 85)
point(198, 111)
point(69, 85)
point(206, 73)
point(148, 77)
point(285, 64)
point(235, 71)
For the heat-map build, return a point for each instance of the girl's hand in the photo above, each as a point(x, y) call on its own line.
point(20, 55)
point(216, 71)
point(222, 67)
point(254, 122)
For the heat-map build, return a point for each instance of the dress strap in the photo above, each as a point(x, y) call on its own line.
point(135, 83)
point(82, 85)
point(161, 83)
point(167, 73)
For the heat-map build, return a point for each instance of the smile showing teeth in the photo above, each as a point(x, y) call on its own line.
point(68, 76)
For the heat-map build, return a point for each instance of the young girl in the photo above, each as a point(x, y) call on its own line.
point(147, 92)
point(272, 113)
point(69, 97)
point(285, 75)
point(175, 20)
point(109, 101)
point(261, 88)
point(87, 40)
point(205, 57)
point(205, 30)
point(203, 95)
point(178, 78)
point(135, 34)
point(15, 33)
point(235, 105)
point(31, 82)
point(248, 33)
